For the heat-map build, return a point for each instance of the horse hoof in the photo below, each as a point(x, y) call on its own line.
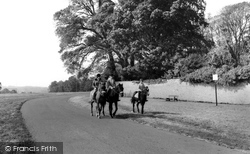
point(99, 117)
point(91, 114)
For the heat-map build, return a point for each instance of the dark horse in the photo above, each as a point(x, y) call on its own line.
point(113, 97)
point(100, 100)
point(141, 100)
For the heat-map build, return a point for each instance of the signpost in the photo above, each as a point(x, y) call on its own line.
point(215, 78)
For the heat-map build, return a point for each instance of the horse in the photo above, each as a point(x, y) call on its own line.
point(113, 97)
point(100, 100)
point(141, 100)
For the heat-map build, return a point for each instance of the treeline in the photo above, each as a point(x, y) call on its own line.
point(135, 39)
point(7, 91)
point(71, 85)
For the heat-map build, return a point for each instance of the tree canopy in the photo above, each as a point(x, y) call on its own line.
point(132, 39)
point(230, 57)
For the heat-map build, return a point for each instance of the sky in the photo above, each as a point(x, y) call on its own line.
point(28, 44)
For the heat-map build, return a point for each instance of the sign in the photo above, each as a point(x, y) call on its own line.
point(215, 77)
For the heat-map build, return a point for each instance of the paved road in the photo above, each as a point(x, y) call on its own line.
point(54, 119)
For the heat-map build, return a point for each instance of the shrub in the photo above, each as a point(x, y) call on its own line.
point(202, 75)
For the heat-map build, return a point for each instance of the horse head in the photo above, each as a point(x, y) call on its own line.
point(120, 89)
point(145, 91)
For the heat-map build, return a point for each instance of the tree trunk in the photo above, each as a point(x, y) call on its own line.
point(234, 53)
point(132, 60)
point(111, 66)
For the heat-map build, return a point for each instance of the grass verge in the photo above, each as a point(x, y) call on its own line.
point(12, 125)
point(175, 122)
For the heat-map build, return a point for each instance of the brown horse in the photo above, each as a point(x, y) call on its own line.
point(141, 100)
point(113, 97)
point(100, 100)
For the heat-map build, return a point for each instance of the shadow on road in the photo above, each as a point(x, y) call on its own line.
point(146, 114)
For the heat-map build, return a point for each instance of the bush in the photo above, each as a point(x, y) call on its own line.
point(202, 75)
point(228, 76)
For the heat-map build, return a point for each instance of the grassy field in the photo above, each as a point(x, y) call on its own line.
point(225, 125)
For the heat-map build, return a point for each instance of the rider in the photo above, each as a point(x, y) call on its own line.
point(95, 84)
point(110, 84)
point(141, 88)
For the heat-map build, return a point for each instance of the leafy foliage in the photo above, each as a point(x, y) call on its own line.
point(202, 75)
point(143, 36)
point(230, 57)
point(151, 39)
point(230, 30)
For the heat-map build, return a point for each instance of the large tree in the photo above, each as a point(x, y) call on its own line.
point(82, 32)
point(148, 36)
point(157, 34)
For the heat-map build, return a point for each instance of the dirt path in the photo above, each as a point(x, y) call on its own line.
point(55, 119)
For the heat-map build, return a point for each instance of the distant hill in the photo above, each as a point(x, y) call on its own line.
point(28, 89)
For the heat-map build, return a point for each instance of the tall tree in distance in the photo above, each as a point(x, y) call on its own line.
point(231, 30)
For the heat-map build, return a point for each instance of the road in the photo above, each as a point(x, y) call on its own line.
point(54, 119)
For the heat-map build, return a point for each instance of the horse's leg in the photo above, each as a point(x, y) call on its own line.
point(103, 107)
point(116, 108)
point(99, 110)
point(110, 109)
point(91, 102)
point(138, 107)
point(142, 108)
point(134, 107)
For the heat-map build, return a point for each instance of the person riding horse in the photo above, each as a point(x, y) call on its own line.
point(110, 84)
point(142, 87)
point(95, 85)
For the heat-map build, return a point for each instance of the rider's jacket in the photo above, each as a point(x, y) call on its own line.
point(110, 84)
point(141, 86)
point(96, 83)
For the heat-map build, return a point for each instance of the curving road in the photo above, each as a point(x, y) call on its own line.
point(54, 119)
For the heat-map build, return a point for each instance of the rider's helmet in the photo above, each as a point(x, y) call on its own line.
point(98, 75)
